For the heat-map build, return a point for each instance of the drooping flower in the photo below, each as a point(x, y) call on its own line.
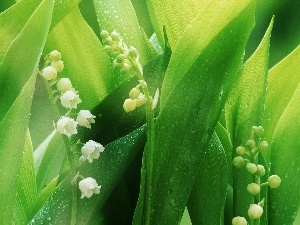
point(85, 118)
point(90, 151)
point(238, 220)
point(129, 105)
point(255, 211)
point(67, 126)
point(88, 187)
point(64, 84)
point(49, 73)
point(70, 99)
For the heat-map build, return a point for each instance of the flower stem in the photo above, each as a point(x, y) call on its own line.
point(68, 151)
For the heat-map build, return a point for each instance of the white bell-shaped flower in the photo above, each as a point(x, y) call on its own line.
point(90, 151)
point(67, 126)
point(85, 118)
point(64, 84)
point(70, 99)
point(88, 187)
point(255, 211)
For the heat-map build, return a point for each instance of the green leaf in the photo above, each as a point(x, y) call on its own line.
point(26, 189)
point(284, 201)
point(210, 186)
point(14, 71)
point(86, 62)
point(214, 19)
point(48, 159)
point(119, 15)
point(107, 171)
point(17, 86)
point(283, 80)
point(163, 13)
point(244, 109)
point(191, 104)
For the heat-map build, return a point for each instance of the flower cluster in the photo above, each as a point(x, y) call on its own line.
point(247, 157)
point(69, 99)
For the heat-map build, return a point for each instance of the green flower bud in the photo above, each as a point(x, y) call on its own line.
point(115, 36)
point(140, 100)
point(104, 34)
point(120, 58)
point(133, 52)
point(259, 131)
point(118, 65)
point(129, 105)
point(251, 167)
point(253, 188)
point(58, 65)
point(238, 220)
point(255, 211)
point(238, 162)
point(134, 93)
point(263, 146)
point(250, 144)
point(274, 181)
point(240, 150)
point(260, 170)
point(55, 55)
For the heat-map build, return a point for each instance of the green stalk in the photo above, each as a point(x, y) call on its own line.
point(68, 150)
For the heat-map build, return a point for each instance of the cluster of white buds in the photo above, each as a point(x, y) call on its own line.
point(247, 157)
point(69, 99)
point(126, 58)
point(136, 98)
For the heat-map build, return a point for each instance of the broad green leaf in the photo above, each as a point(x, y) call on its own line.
point(86, 62)
point(283, 80)
point(244, 109)
point(22, 56)
point(119, 15)
point(210, 186)
point(26, 189)
point(193, 105)
point(284, 201)
point(107, 171)
point(12, 25)
point(17, 86)
point(175, 16)
point(48, 158)
point(215, 18)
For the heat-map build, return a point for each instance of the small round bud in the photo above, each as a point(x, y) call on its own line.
point(253, 188)
point(104, 34)
point(274, 181)
point(140, 100)
point(109, 41)
point(251, 167)
point(120, 58)
point(129, 105)
point(55, 55)
point(109, 49)
point(259, 131)
point(240, 150)
point(134, 93)
point(133, 52)
point(118, 65)
point(126, 68)
point(58, 65)
point(255, 211)
point(49, 73)
point(260, 170)
point(238, 162)
point(115, 36)
point(263, 146)
point(64, 84)
point(238, 220)
point(250, 144)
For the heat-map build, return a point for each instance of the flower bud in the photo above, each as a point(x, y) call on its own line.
point(58, 65)
point(260, 170)
point(64, 84)
point(115, 36)
point(49, 73)
point(263, 146)
point(238, 220)
point(134, 93)
point(129, 105)
point(274, 181)
point(250, 144)
point(238, 162)
point(126, 68)
point(120, 58)
point(259, 131)
point(253, 188)
point(55, 56)
point(255, 211)
point(251, 167)
point(240, 150)
point(104, 34)
point(133, 52)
